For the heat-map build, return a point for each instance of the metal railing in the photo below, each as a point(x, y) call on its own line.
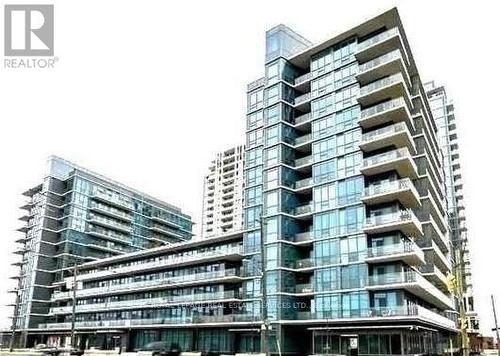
point(399, 216)
point(386, 157)
point(393, 249)
point(387, 187)
point(396, 54)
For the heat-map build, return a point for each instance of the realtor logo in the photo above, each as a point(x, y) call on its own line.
point(29, 30)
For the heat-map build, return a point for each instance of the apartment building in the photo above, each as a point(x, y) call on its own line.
point(223, 193)
point(75, 216)
point(345, 168)
point(188, 294)
point(444, 114)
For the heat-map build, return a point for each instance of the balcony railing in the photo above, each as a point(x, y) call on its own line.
point(392, 249)
point(171, 281)
point(303, 183)
point(304, 209)
point(386, 157)
point(303, 161)
point(302, 118)
point(381, 108)
point(302, 99)
point(171, 299)
point(303, 78)
point(388, 57)
point(379, 84)
point(388, 187)
point(303, 139)
point(109, 222)
point(377, 39)
point(115, 199)
point(396, 217)
point(383, 132)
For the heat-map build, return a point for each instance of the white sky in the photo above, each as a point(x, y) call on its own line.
point(146, 92)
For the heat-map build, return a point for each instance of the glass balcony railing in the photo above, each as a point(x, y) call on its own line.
point(303, 161)
point(109, 222)
point(113, 198)
point(102, 208)
point(171, 299)
point(393, 249)
point(386, 157)
point(378, 39)
point(171, 281)
point(390, 218)
point(392, 278)
point(302, 99)
point(383, 132)
point(383, 107)
point(303, 78)
point(303, 139)
point(388, 57)
point(303, 183)
point(302, 118)
point(304, 209)
point(388, 187)
point(381, 83)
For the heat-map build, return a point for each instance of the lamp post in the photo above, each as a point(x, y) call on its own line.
point(264, 332)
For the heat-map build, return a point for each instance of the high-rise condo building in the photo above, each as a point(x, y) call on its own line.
point(75, 216)
point(444, 114)
point(344, 166)
point(223, 193)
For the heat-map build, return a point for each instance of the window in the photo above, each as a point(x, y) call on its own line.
point(254, 120)
point(322, 85)
point(323, 149)
point(272, 135)
point(254, 138)
point(272, 115)
point(347, 118)
point(272, 178)
point(348, 141)
point(339, 222)
point(254, 195)
point(254, 176)
point(322, 63)
point(322, 106)
point(251, 217)
point(272, 94)
point(272, 156)
point(345, 76)
point(344, 53)
point(272, 203)
point(271, 227)
point(254, 100)
point(273, 73)
point(272, 261)
point(349, 164)
point(324, 197)
point(254, 157)
point(323, 127)
point(324, 171)
point(346, 97)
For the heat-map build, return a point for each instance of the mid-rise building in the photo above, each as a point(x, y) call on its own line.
point(75, 216)
point(223, 193)
point(444, 114)
point(344, 167)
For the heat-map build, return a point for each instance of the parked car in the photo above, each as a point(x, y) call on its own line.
point(160, 348)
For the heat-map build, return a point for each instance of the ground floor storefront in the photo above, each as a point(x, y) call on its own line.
point(283, 339)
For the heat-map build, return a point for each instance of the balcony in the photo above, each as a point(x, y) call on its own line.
point(302, 119)
point(396, 135)
point(402, 190)
point(303, 237)
point(404, 221)
point(113, 199)
point(395, 110)
point(109, 223)
point(414, 283)
point(304, 161)
point(407, 252)
point(391, 87)
point(111, 212)
point(399, 160)
point(229, 275)
point(434, 274)
point(383, 66)
point(303, 183)
point(146, 303)
point(302, 79)
point(303, 210)
point(378, 45)
point(302, 100)
point(303, 139)
point(306, 288)
point(232, 253)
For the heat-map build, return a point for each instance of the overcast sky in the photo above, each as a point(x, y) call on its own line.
point(146, 91)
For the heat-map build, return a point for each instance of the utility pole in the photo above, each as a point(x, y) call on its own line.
point(73, 307)
point(496, 322)
point(264, 332)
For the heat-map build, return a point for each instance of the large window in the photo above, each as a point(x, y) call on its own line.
point(254, 176)
point(322, 85)
point(346, 97)
point(339, 222)
point(254, 120)
point(273, 73)
point(272, 115)
point(324, 197)
point(324, 149)
point(349, 164)
point(272, 155)
point(272, 202)
point(324, 171)
point(322, 106)
point(255, 100)
point(254, 138)
point(272, 178)
point(345, 76)
point(272, 94)
point(252, 215)
point(272, 135)
point(254, 195)
point(322, 62)
point(344, 53)
point(254, 157)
